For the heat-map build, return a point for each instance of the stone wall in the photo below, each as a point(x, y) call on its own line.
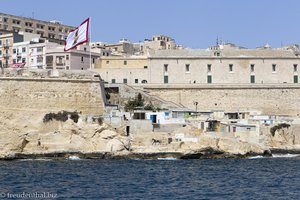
point(273, 99)
point(79, 92)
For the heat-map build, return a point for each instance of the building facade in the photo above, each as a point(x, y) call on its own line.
point(55, 31)
point(223, 64)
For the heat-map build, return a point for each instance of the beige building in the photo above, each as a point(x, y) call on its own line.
point(222, 64)
point(159, 42)
point(54, 31)
point(225, 64)
point(129, 70)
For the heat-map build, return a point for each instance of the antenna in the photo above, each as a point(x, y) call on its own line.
point(33, 15)
point(217, 42)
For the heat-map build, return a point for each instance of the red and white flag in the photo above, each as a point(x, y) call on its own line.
point(78, 36)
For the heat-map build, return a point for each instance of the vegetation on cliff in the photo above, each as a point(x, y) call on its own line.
point(278, 127)
point(61, 116)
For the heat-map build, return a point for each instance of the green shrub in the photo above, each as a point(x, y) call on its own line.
point(278, 127)
point(61, 116)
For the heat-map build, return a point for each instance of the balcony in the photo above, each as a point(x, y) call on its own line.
point(60, 64)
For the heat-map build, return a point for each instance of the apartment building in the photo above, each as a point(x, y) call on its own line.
point(54, 30)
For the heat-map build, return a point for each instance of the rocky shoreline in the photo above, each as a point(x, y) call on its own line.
point(203, 154)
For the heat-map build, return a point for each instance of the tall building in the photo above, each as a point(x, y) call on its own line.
point(54, 31)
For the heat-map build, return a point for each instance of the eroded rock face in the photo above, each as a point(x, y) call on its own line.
point(35, 137)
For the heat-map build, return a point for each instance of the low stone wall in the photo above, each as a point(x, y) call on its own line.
point(273, 99)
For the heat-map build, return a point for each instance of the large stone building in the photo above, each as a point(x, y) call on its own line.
point(54, 31)
point(222, 64)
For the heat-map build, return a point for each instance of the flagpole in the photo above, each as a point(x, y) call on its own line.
point(90, 43)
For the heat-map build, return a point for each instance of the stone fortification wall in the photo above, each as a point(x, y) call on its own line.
point(51, 91)
point(273, 99)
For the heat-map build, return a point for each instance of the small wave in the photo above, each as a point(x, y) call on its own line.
point(36, 159)
point(167, 158)
point(285, 155)
point(255, 157)
point(73, 158)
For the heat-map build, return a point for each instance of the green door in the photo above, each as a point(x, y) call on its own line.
point(252, 79)
point(209, 79)
point(166, 79)
point(296, 79)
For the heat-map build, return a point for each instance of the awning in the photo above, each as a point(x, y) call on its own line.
point(17, 65)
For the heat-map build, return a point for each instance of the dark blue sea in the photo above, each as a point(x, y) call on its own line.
point(264, 178)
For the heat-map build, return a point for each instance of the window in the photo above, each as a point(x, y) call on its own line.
point(84, 49)
point(113, 80)
point(125, 80)
point(274, 68)
point(145, 67)
point(296, 79)
point(295, 67)
point(39, 49)
point(209, 79)
point(125, 62)
point(0, 52)
point(14, 61)
point(5, 19)
point(81, 58)
point(0, 42)
point(67, 57)
point(166, 79)
point(165, 67)
point(39, 60)
point(23, 49)
point(252, 79)
point(40, 26)
point(230, 67)
point(23, 60)
point(252, 67)
point(93, 60)
point(136, 80)
point(209, 68)
point(107, 62)
point(14, 51)
point(187, 68)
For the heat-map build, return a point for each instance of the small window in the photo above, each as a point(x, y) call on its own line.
point(209, 79)
point(136, 80)
point(230, 67)
point(113, 80)
point(14, 51)
point(296, 79)
point(107, 62)
point(84, 48)
point(67, 57)
point(93, 60)
point(0, 52)
point(23, 50)
point(14, 61)
point(274, 68)
point(81, 58)
point(125, 62)
point(145, 67)
point(209, 68)
point(165, 68)
point(252, 67)
point(252, 79)
point(125, 80)
point(166, 79)
point(23, 60)
point(295, 67)
point(187, 68)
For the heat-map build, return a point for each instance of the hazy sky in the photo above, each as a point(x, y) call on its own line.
point(192, 23)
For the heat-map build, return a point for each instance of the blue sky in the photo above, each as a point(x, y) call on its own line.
point(192, 23)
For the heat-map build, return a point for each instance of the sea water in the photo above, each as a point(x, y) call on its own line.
point(264, 178)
